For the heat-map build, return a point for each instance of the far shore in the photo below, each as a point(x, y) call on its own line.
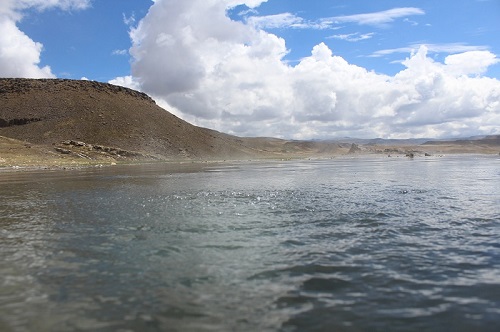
point(32, 158)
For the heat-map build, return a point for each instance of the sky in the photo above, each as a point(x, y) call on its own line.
point(295, 69)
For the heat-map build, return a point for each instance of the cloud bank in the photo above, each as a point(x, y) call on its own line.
point(231, 76)
point(19, 54)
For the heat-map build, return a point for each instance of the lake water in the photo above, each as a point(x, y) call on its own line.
point(362, 244)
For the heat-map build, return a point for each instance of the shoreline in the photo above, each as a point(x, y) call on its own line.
point(68, 165)
point(17, 155)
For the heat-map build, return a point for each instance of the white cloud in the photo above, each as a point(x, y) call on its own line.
point(119, 52)
point(248, 11)
point(231, 76)
point(14, 8)
point(19, 54)
point(249, 3)
point(173, 55)
point(413, 23)
point(353, 37)
point(129, 20)
point(289, 20)
point(471, 62)
point(432, 48)
point(381, 18)
point(126, 81)
point(284, 20)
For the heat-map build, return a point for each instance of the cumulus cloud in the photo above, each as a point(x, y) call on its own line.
point(472, 62)
point(19, 54)
point(126, 81)
point(445, 102)
point(231, 76)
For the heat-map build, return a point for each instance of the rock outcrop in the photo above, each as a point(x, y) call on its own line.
point(354, 148)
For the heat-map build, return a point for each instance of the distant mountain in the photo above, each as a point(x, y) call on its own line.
point(381, 141)
point(492, 140)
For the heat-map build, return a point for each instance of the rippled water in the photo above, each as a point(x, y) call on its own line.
point(368, 244)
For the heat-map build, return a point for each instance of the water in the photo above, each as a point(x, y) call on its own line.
point(367, 244)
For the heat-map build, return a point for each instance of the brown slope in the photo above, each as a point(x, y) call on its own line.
point(49, 111)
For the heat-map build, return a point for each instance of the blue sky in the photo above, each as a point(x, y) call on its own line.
point(294, 69)
point(80, 43)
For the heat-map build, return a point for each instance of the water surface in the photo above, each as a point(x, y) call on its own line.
point(363, 244)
